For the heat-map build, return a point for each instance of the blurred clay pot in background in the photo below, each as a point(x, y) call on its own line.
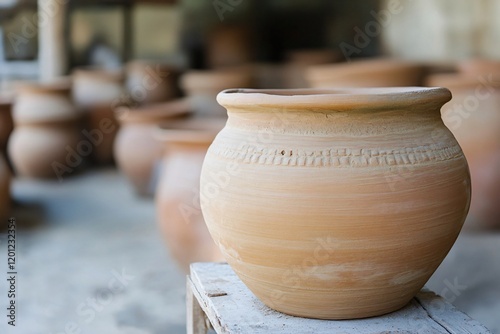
point(202, 88)
point(137, 152)
point(365, 73)
point(363, 191)
point(473, 116)
point(228, 45)
point(297, 62)
point(97, 92)
point(479, 66)
point(5, 200)
point(177, 196)
point(46, 130)
point(6, 123)
point(149, 82)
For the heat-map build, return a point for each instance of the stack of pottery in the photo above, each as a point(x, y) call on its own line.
point(177, 197)
point(202, 88)
point(473, 115)
point(136, 151)
point(298, 61)
point(365, 73)
point(341, 207)
point(97, 92)
point(6, 123)
point(149, 82)
point(46, 131)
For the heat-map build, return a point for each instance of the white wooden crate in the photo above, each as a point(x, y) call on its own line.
point(216, 298)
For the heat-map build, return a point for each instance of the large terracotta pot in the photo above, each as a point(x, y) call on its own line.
point(202, 88)
point(97, 93)
point(335, 204)
point(473, 115)
point(149, 82)
point(365, 73)
point(137, 153)
point(46, 131)
point(177, 200)
point(6, 123)
point(5, 201)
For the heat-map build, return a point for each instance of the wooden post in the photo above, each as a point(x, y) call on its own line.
point(196, 318)
point(52, 55)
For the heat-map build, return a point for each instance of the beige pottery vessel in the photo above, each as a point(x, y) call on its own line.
point(149, 82)
point(202, 88)
point(473, 115)
point(136, 151)
point(365, 73)
point(6, 123)
point(46, 125)
point(177, 200)
point(320, 199)
point(97, 92)
point(5, 201)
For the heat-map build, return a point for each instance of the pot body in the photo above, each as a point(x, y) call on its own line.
point(150, 83)
point(34, 149)
point(46, 130)
point(318, 206)
point(180, 219)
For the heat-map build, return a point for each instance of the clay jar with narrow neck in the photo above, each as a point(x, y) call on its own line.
point(337, 204)
point(365, 73)
point(97, 92)
point(177, 196)
point(46, 131)
point(137, 153)
point(149, 82)
point(473, 115)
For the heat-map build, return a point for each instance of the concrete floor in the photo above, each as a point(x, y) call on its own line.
point(76, 237)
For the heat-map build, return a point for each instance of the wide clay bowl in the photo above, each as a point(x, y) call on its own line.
point(335, 204)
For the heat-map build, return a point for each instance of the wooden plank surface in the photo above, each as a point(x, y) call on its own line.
point(232, 308)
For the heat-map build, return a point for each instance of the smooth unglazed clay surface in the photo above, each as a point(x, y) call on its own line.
point(177, 196)
point(336, 204)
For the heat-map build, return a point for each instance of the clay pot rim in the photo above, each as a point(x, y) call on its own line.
point(153, 113)
point(463, 80)
point(34, 87)
point(362, 67)
point(200, 131)
point(139, 64)
point(333, 100)
point(99, 73)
